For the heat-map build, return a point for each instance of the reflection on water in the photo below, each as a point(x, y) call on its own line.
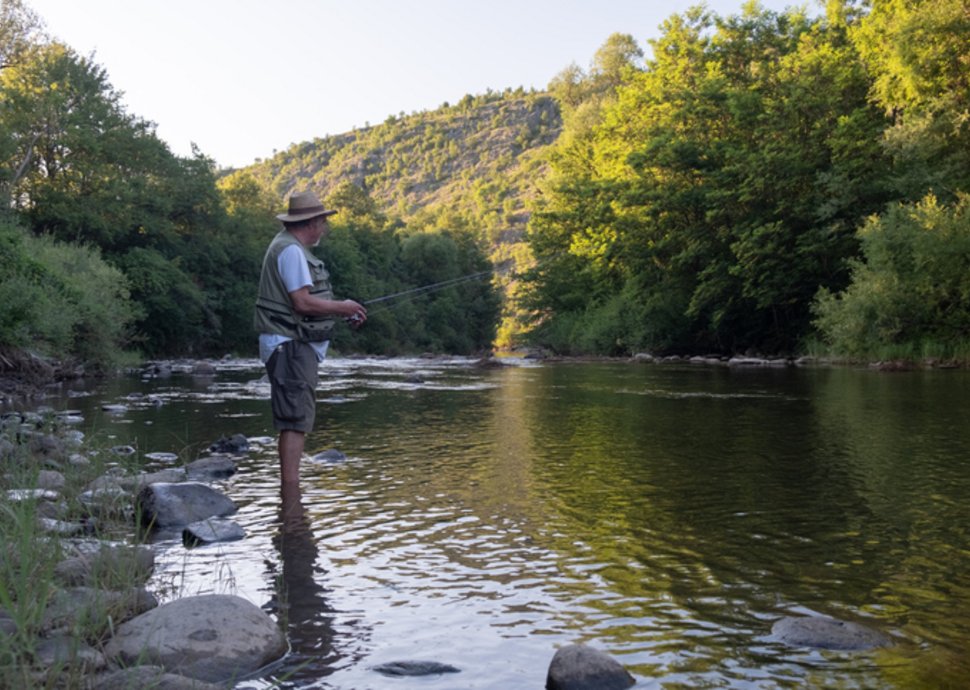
point(668, 515)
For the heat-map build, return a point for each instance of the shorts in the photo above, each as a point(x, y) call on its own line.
point(292, 372)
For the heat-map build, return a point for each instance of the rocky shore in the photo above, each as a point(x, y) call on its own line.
point(74, 609)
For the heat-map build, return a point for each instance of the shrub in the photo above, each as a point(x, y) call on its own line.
point(911, 290)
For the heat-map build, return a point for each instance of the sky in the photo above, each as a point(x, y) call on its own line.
point(242, 79)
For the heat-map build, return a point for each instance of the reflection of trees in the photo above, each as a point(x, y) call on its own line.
point(907, 439)
point(301, 604)
point(711, 499)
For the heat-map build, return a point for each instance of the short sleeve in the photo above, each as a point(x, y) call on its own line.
point(293, 269)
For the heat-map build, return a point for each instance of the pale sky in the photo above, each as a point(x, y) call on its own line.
point(244, 78)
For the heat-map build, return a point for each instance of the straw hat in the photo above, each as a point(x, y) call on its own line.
point(303, 206)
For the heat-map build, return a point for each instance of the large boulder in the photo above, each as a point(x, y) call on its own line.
point(214, 638)
point(827, 633)
point(578, 667)
point(177, 505)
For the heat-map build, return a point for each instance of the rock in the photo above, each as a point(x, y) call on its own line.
point(154, 677)
point(96, 563)
point(331, 455)
point(133, 482)
point(236, 444)
point(176, 505)
point(212, 530)
point(214, 638)
point(578, 667)
point(203, 368)
point(60, 527)
point(48, 447)
point(61, 650)
point(162, 457)
point(114, 408)
point(50, 479)
point(81, 606)
point(7, 624)
point(123, 451)
point(644, 357)
point(415, 668)
point(214, 467)
point(32, 495)
point(106, 502)
point(169, 475)
point(827, 633)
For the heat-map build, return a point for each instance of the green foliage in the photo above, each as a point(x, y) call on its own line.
point(366, 262)
point(912, 287)
point(61, 299)
point(726, 177)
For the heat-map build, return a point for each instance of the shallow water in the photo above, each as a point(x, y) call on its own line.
point(665, 514)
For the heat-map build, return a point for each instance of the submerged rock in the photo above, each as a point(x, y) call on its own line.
point(214, 638)
point(578, 667)
point(212, 530)
point(827, 633)
point(235, 444)
point(415, 668)
point(331, 455)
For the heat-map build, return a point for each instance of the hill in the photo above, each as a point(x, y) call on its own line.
point(472, 165)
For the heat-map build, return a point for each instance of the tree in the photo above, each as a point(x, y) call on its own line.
point(719, 188)
point(919, 54)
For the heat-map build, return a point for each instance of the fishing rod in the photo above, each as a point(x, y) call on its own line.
point(425, 289)
point(405, 295)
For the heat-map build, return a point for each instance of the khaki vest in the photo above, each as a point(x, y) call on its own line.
point(274, 311)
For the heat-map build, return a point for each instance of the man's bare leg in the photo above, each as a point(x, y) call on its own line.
point(291, 450)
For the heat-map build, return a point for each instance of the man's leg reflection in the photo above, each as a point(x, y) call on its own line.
point(302, 605)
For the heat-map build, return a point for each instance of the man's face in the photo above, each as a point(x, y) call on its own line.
point(320, 228)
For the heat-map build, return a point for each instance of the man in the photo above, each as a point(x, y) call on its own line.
point(295, 313)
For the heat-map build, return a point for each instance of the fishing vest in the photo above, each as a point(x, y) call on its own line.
point(274, 310)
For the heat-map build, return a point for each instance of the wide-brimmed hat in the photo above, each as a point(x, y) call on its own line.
point(303, 206)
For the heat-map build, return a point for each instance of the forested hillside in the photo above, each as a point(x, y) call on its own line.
point(471, 167)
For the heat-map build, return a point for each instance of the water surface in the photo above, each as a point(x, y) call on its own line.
point(665, 514)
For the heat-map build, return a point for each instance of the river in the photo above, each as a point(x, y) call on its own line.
point(666, 514)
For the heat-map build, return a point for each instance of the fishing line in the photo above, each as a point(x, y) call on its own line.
point(405, 295)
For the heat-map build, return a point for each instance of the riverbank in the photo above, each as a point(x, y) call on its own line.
point(25, 375)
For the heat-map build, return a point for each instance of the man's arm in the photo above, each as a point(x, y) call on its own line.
point(306, 304)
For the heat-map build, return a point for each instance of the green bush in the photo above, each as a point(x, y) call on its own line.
point(910, 294)
point(61, 299)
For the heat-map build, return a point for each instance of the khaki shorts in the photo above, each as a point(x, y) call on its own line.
point(292, 372)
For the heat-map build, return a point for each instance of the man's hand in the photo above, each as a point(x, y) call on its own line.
point(357, 315)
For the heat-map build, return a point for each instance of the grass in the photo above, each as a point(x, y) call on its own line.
point(927, 353)
point(31, 587)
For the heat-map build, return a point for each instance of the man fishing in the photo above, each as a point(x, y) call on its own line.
point(295, 313)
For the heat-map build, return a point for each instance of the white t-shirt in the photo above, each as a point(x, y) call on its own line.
point(295, 273)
